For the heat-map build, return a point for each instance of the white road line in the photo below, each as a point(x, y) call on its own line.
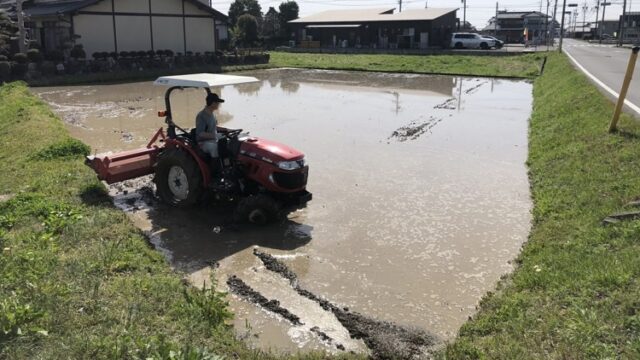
point(602, 85)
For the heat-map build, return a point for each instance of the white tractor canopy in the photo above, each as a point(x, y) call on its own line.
point(203, 80)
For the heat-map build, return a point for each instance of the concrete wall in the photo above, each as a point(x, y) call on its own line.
point(168, 33)
point(200, 34)
point(133, 32)
point(94, 40)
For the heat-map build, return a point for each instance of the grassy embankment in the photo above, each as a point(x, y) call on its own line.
point(129, 76)
point(574, 294)
point(77, 280)
point(519, 66)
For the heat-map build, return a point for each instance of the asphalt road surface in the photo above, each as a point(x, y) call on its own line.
point(608, 65)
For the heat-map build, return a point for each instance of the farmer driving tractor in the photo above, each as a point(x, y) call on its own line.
point(207, 130)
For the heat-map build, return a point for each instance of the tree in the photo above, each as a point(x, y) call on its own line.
point(289, 10)
point(241, 7)
point(271, 24)
point(245, 32)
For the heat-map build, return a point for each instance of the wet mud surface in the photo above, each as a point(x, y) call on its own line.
point(421, 200)
point(385, 339)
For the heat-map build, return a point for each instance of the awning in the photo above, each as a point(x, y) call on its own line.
point(351, 26)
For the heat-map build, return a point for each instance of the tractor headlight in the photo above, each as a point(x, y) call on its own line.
point(291, 165)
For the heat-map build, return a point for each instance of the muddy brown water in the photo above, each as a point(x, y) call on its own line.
point(421, 196)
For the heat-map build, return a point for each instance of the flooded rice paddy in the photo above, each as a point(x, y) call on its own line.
point(421, 197)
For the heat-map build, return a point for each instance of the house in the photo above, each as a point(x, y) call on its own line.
point(581, 31)
point(377, 28)
point(607, 28)
point(520, 26)
point(125, 25)
point(631, 24)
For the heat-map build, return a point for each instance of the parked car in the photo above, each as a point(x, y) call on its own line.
point(499, 43)
point(471, 41)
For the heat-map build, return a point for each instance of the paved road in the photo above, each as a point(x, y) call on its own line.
point(608, 64)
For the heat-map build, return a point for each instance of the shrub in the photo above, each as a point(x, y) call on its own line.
point(168, 53)
point(97, 55)
point(124, 54)
point(48, 68)
point(55, 55)
point(5, 70)
point(19, 69)
point(20, 58)
point(34, 55)
point(141, 54)
point(78, 52)
point(189, 53)
point(66, 149)
point(113, 55)
point(151, 53)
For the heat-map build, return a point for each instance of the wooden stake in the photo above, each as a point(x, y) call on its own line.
point(625, 87)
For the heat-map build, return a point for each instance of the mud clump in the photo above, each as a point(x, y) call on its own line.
point(326, 338)
point(450, 104)
point(240, 288)
point(272, 264)
point(386, 340)
point(414, 130)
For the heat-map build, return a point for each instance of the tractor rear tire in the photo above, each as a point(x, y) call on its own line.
point(258, 209)
point(178, 178)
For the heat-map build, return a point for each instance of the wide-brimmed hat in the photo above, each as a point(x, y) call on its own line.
point(213, 98)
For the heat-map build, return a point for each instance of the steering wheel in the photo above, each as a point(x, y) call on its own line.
point(234, 133)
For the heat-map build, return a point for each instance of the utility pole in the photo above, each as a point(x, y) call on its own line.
point(400, 1)
point(546, 25)
point(564, 6)
point(21, 31)
point(584, 15)
point(495, 22)
point(464, 13)
point(595, 30)
point(604, 9)
point(622, 23)
point(555, 9)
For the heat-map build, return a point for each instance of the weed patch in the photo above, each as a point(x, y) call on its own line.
point(66, 149)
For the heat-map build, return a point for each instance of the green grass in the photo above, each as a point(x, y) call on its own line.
point(575, 292)
point(520, 66)
point(77, 279)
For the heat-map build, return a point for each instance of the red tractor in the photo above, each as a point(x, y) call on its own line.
point(265, 178)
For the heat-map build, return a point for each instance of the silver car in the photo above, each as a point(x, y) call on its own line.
point(471, 41)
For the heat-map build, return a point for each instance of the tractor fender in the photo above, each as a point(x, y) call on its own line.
point(204, 169)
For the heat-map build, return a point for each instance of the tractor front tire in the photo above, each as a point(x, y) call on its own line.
point(178, 178)
point(258, 209)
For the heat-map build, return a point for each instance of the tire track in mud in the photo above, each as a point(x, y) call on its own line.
point(386, 340)
point(240, 288)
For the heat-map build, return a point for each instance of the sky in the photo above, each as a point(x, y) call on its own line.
point(478, 11)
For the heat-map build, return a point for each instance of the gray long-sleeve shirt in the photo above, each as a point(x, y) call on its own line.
point(206, 122)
